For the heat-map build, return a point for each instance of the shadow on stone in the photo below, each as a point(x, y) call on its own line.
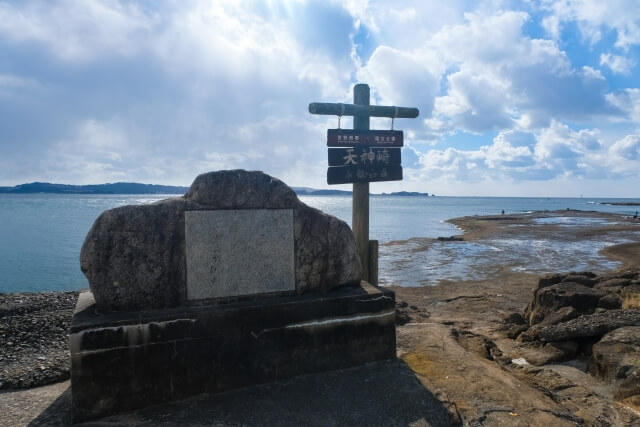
point(381, 393)
point(57, 414)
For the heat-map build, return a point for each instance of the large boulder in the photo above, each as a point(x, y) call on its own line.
point(135, 256)
point(615, 359)
point(549, 299)
point(586, 278)
point(610, 301)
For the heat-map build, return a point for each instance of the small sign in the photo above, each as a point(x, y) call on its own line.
point(362, 173)
point(364, 156)
point(364, 138)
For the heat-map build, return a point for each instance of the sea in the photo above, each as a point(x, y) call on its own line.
point(41, 234)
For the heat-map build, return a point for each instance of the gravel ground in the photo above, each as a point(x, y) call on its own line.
point(34, 343)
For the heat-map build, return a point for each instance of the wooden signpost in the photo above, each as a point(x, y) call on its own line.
point(367, 156)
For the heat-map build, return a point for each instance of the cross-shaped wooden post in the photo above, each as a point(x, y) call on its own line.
point(361, 110)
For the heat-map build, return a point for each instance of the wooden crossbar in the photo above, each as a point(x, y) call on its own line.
point(334, 109)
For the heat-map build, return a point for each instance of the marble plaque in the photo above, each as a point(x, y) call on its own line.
point(239, 252)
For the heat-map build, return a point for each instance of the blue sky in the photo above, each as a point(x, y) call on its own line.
point(516, 98)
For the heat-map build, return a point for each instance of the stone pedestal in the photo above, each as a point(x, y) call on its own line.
point(121, 361)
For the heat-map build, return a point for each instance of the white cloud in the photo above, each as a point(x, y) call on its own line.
point(622, 159)
point(628, 101)
point(560, 149)
point(510, 149)
point(452, 164)
point(627, 148)
point(517, 156)
point(402, 78)
point(474, 103)
point(389, 21)
point(513, 81)
point(594, 16)
point(617, 64)
point(78, 30)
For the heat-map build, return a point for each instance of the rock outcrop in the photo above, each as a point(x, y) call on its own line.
point(593, 315)
point(594, 325)
point(616, 359)
point(134, 256)
point(566, 293)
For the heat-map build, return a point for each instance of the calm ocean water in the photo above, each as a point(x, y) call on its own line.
point(41, 235)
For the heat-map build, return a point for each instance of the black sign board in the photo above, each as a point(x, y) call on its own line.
point(364, 156)
point(353, 174)
point(361, 138)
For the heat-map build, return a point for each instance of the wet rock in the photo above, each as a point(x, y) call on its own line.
point(402, 317)
point(550, 280)
point(610, 302)
point(586, 279)
point(514, 331)
point(551, 298)
point(554, 352)
point(515, 319)
point(568, 349)
point(134, 256)
point(451, 239)
point(405, 313)
point(594, 325)
point(561, 315)
point(612, 285)
point(616, 360)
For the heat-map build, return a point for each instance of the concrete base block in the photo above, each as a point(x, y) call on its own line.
point(122, 361)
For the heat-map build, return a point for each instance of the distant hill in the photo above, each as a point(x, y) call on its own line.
point(306, 191)
point(115, 188)
point(136, 188)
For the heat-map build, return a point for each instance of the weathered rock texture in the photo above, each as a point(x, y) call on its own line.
point(581, 313)
point(594, 325)
point(563, 294)
point(134, 256)
point(616, 359)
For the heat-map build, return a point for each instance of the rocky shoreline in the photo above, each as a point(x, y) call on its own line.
point(34, 332)
point(584, 315)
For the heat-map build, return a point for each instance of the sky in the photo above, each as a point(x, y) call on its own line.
point(516, 98)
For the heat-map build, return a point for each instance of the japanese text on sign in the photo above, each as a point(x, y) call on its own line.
point(364, 156)
point(351, 174)
point(369, 138)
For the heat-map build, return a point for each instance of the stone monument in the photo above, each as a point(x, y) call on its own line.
point(236, 283)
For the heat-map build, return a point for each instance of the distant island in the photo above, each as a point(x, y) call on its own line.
point(136, 188)
point(115, 188)
point(305, 191)
point(407, 193)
